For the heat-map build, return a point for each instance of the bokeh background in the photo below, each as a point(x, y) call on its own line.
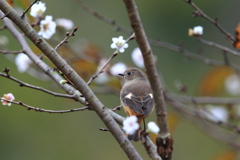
point(33, 135)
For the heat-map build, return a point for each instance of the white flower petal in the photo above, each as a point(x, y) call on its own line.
point(198, 30)
point(117, 68)
point(47, 27)
point(138, 58)
point(22, 61)
point(232, 84)
point(217, 114)
point(38, 9)
point(130, 125)
point(65, 23)
point(11, 96)
point(119, 43)
point(121, 50)
point(113, 45)
point(153, 127)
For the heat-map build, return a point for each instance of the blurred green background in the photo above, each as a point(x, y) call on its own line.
point(32, 135)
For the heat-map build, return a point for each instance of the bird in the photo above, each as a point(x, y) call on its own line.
point(136, 97)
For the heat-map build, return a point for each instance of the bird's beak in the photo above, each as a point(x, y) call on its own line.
point(120, 74)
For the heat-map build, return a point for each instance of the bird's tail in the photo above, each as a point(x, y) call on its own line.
point(135, 136)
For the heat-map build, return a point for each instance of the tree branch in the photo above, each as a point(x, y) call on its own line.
point(11, 52)
point(23, 84)
point(145, 48)
point(103, 18)
point(45, 110)
point(68, 35)
point(224, 48)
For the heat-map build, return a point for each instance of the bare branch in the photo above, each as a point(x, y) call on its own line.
point(191, 55)
point(218, 46)
point(45, 110)
point(68, 35)
point(156, 85)
point(108, 61)
point(202, 100)
point(103, 18)
point(11, 52)
point(117, 108)
point(199, 12)
point(23, 84)
point(23, 14)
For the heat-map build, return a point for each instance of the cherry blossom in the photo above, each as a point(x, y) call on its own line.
point(198, 30)
point(152, 127)
point(8, 97)
point(138, 58)
point(38, 9)
point(23, 62)
point(47, 27)
point(65, 23)
point(130, 125)
point(117, 68)
point(119, 43)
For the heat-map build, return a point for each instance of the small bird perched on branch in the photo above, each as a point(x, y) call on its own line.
point(136, 97)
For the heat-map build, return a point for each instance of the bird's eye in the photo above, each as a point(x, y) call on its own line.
point(129, 73)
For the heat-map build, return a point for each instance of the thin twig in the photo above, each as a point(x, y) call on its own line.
point(191, 55)
point(199, 12)
point(103, 18)
point(68, 35)
point(117, 108)
point(103, 129)
point(45, 110)
point(202, 100)
point(218, 46)
point(23, 84)
point(113, 55)
point(11, 52)
point(23, 14)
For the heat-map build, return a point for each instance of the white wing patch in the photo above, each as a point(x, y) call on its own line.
point(129, 96)
point(151, 95)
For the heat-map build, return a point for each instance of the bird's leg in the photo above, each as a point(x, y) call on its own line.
point(144, 127)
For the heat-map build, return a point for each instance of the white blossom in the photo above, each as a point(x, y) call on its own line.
point(117, 68)
point(217, 113)
point(47, 27)
point(38, 9)
point(65, 23)
point(232, 84)
point(130, 125)
point(138, 58)
point(198, 30)
point(8, 97)
point(153, 127)
point(23, 62)
point(118, 43)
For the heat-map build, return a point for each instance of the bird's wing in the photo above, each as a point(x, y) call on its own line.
point(140, 104)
